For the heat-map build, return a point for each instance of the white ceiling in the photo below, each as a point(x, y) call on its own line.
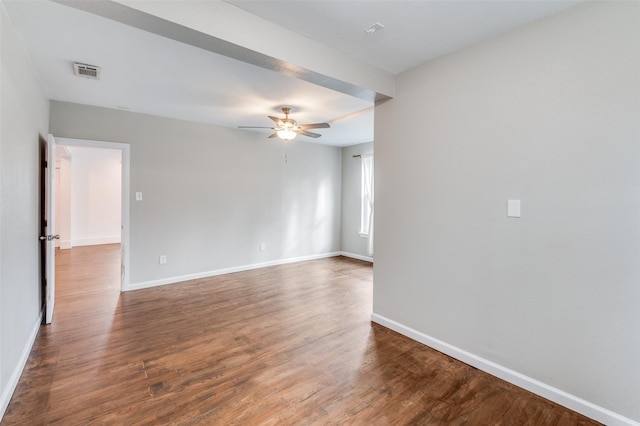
point(414, 31)
point(148, 73)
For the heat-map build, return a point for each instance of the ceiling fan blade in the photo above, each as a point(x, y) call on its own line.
point(255, 127)
point(275, 135)
point(315, 126)
point(277, 120)
point(310, 134)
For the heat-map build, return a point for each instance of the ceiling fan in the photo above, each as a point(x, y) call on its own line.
point(287, 128)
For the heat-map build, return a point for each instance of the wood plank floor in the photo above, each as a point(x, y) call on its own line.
point(290, 345)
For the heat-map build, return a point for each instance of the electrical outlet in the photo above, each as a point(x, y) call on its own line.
point(163, 259)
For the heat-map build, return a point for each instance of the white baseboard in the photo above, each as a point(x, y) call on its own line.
point(356, 256)
point(65, 244)
point(7, 392)
point(206, 274)
point(551, 393)
point(115, 239)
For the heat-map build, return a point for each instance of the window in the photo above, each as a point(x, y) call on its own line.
point(365, 206)
point(366, 200)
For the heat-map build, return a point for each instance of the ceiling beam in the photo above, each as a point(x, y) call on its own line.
point(224, 29)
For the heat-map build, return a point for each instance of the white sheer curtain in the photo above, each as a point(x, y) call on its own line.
point(367, 176)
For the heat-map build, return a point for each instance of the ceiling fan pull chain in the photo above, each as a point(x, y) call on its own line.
point(286, 144)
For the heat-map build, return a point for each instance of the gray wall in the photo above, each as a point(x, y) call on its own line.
point(211, 195)
point(24, 117)
point(352, 242)
point(548, 114)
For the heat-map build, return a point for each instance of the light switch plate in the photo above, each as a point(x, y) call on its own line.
point(513, 208)
point(138, 196)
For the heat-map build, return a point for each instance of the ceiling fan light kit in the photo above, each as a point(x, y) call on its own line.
point(286, 134)
point(288, 128)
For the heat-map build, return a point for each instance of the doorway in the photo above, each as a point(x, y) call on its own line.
point(90, 219)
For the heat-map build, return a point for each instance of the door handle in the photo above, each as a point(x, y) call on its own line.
point(49, 237)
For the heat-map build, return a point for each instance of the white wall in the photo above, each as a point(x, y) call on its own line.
point(63, 197)
point(548, 114)
point(352, 242)
point(211, 195)
point(24, 119)
point(96, 182)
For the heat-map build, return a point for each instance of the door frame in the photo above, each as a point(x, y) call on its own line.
point(125, 194)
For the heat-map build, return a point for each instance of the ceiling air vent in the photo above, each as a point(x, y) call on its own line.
point(87, 71)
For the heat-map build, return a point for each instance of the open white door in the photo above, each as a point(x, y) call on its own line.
point(49, 237)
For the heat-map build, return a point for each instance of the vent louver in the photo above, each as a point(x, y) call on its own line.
point(87, 71)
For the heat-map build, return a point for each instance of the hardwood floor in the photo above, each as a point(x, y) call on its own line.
point(289, 345)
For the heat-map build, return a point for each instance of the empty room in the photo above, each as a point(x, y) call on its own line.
point(320, 212)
